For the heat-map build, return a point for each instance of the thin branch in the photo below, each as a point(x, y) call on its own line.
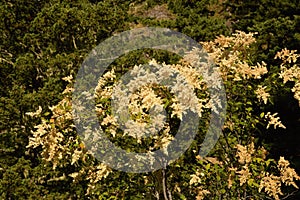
point(288, 195)
point(7, 61)
point(74, 42)
point(170, 195)
point(164, 184)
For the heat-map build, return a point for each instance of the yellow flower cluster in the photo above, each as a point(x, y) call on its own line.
point(290, 70)
point(247, 172)
point(60, 143)
point(244, 153)
point(201, 193)
point(146, 96)
point(261, 93)
point(287, 174)
point(272, 184)
point(95, 174)
point(287, 56)
point(196, 181)
point(229, 54)
point(49, 135)
point(244, 175)
point(273, 120)
point(36, 113)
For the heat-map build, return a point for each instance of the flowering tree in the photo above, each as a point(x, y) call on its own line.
point(237, 168)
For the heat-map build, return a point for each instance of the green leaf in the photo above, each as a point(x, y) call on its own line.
point(262, 114)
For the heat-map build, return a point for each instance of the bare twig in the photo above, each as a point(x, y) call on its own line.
point(74, 42)
point(7, 61)
point(290, 194)
point(164, 183)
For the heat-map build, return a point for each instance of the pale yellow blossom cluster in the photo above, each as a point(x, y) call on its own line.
point(68, 79)
point(261, 93)
point(103, 90)
point(139, 104)
point(290, 70)
point(147, 99)
point(194, 78)
point(177, 109)
point(37, 135)
point(196, 181)
point(162, 141)
point(289, 74)
point(144, 99)
point(274, 120)
point(246, 172)
point(288, 175)
point(269, 182)
point(201, 193)
point(60, 143)
point(36, 113)
point(229, 54)
point(249, 166)
point(95, 174)
point(196, 178)
point(50, 138)
point(243, 39)
point(237, 41)
point(68, 89)
point(50, 134)
point(287, 56)
point(244, 153)
point(296, 90)
point(272, 184)
point(111, 122)
point(76, 156)
point(245, 156)
point(192, 75)
point(244, 175)
point(197, 63)
point(146, 118)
